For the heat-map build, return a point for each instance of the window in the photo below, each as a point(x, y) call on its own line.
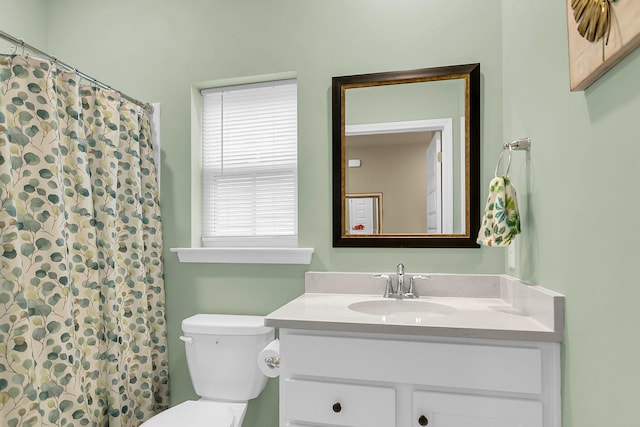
point(249, 161)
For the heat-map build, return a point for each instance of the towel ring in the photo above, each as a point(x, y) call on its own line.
point(500, 161)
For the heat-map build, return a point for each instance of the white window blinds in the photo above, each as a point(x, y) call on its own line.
point(250, 165)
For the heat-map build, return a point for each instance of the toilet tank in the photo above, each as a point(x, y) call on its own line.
point(222, 353)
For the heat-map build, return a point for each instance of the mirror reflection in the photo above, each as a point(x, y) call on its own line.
point(404, 145)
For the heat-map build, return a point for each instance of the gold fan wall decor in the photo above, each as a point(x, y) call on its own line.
point(601, 33)
point(593, 18)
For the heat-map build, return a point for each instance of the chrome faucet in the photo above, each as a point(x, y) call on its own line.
point(400, 288)
point(399, 292)
point(389, 292)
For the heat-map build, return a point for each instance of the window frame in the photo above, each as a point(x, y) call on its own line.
point(273, 240)
point(193, 252)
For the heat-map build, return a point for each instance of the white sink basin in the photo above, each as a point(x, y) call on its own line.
point(399, 309)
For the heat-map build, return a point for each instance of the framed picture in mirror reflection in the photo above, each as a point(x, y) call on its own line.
point(364, 213)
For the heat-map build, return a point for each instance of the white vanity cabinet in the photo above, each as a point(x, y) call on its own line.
point(370, 380)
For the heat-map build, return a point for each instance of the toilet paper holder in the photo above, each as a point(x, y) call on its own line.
point(272, 362)
point(269, 359)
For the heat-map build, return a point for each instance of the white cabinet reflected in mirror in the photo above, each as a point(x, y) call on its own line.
point(413, 138)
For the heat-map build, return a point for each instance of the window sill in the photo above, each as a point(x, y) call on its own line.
point(245, 255)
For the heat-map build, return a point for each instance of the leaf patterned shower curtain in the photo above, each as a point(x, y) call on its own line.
point(82, 313)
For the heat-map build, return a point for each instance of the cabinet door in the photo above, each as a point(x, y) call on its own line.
point(327, 403)
point(456, 410)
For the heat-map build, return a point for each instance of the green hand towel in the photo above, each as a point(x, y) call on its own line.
point(501, 220)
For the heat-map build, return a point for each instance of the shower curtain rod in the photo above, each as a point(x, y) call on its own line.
point(20, 43)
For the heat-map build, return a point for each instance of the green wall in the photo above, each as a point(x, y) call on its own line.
point(579, 191)
point(155, 51)
point(26, 20)
point(578, 187)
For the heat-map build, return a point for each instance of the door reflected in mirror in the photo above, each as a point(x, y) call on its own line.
point(364, 213)
point(411, 137)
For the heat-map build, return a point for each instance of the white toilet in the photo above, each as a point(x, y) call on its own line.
point(222, 353)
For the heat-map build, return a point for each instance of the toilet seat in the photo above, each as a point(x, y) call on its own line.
point(193, 413)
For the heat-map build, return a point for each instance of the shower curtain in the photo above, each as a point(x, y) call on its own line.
point(82, 310)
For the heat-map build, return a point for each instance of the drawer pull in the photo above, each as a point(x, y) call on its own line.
point(423, 421)
point(337, 407)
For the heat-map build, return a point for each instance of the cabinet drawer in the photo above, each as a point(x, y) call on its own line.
point(469, 366)
point(337, 404)
point(455, 410)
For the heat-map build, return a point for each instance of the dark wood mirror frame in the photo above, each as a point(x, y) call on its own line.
point(471, 74)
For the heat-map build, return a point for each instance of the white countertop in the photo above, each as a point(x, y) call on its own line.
point(514, 312)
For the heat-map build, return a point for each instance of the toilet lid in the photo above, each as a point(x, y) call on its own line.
point(194, 414)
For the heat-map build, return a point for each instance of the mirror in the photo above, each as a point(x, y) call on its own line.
point(406, 164)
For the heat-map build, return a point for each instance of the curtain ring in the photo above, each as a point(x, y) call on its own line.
point(500, 161)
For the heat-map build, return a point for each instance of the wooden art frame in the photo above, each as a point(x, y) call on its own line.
point(588, 61)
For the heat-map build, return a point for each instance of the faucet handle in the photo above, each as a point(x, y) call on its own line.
point(412, 292)
point(388, 288)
